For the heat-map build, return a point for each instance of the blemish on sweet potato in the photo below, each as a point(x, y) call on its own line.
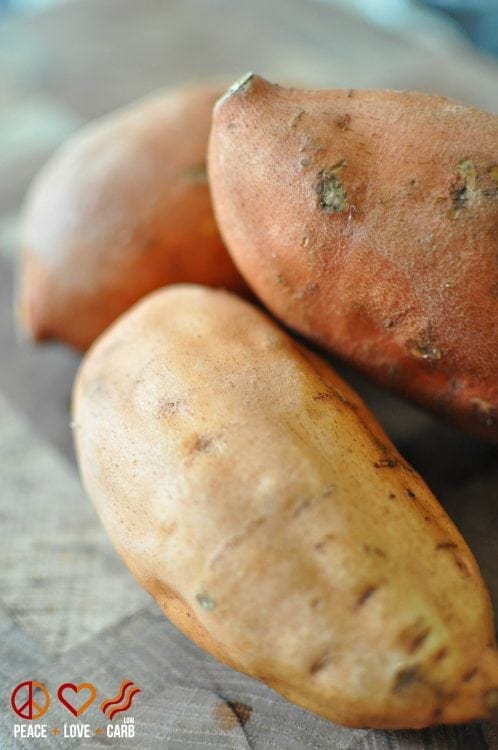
point(310, 288)
point(405, 678)
point(410, 493)
point(301, 506)
point(446, 545)
point(424, 349)
point(466, 184)
point(374, 550)
point(470, 674)
point(386, 463)
point(206, 601)
point(167, 408)
point(343, 121)
point(440, 655)
point(459, 196)
point(414, 637)
point(467, 169)
point(320, 545)
point(296, 118)
point(323, 396)
point(462, 566)
point(202, 444)
point(331, 192)
point(365, 595)
point(319, 664)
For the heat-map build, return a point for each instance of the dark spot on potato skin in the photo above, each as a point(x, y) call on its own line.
point(206, 601)
point(404, 679)
point(462, 567)
point(319, 664)
point(410, 493)
point(167, 409)
point(331, 192)
point(470, 674)
point(392, 496)
point(366, 594)
point(459, 196)
point(202, 444)
point(320, 545)
point(343, 121)
point(440, 655)
point(296, 118)
point(424, 349)
point(301, 506)
point(322, 396)
point(418, 641)
point(446, 545)
point(386, 463)
point(374, 550)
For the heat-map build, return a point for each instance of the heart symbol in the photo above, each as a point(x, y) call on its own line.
point(76, 689)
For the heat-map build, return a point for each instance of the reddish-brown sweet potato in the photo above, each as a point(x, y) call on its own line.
point(121, 209)
point(368, 221)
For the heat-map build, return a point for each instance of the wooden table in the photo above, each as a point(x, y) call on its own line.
point(69, 611)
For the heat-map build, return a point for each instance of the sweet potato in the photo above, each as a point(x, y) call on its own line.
point(252, 493)
point(368, 221)
point(123, 208)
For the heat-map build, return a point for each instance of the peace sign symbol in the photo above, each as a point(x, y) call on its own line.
point(23, 702)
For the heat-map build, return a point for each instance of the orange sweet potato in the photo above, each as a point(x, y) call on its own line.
point(368, 221)
point(253, 494)
point(121, 209)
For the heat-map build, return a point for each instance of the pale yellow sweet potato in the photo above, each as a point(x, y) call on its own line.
point(121, 209)
point(368, 221)
point(255, 497)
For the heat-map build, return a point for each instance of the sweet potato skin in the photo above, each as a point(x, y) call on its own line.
point(251, 492)
point(121, 209)
point(368, 221)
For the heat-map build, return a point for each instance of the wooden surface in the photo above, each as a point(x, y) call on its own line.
point(69, 611)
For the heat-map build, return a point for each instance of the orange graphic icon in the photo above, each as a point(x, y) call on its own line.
point(26, 702)
point(70, 686)
point(122, 701)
